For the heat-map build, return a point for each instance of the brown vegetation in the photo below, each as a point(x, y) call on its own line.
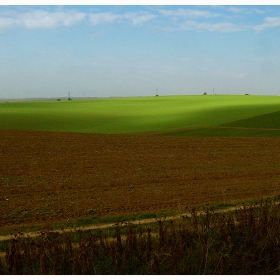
point(244, 242)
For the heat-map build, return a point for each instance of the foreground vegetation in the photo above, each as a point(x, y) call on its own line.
point(245, 241)
point(190, 115)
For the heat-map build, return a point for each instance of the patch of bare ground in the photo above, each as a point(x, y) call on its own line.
point(51, 177)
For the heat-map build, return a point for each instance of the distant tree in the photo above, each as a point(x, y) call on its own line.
point(205, 93)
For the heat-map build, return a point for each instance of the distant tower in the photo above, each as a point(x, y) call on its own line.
point(156, 91)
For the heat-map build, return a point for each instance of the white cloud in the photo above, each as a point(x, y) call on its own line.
point(187, 13)
point(235, 10)
point(6, 23)
point(100, 18)
point(269, 22)
point(212, 27)
point(138, 19)
point(195, 19)
point(134, 18)
point(169, 19)
point(40, 19)
point(242, 10)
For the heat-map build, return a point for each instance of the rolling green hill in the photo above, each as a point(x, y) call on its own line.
point(262, 125)
point(221, 115)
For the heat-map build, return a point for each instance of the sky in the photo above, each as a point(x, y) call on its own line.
point(47, 51)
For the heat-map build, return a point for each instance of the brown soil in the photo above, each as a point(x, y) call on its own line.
point(48, 177)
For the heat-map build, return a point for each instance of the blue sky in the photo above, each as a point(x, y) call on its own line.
point(122, 50)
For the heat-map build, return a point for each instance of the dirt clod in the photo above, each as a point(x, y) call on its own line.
point(48, 177)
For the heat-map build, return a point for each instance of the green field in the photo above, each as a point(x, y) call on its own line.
point(215, 115)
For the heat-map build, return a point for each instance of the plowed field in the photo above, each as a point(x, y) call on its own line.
point(48, 177)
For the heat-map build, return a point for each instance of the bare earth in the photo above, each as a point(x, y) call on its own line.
point(48, 177)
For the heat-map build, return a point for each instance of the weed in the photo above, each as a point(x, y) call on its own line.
point(25, 213)
point(241, 242)
point(85, 221)
point(91, 211)
point(221, 206)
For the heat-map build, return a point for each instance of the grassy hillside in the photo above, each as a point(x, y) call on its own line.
point(261, 125)
point(187, 115)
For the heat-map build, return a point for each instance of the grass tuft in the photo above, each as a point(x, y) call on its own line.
point(244, 241)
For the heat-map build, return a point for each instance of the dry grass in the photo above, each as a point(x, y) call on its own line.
point(245, 241)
